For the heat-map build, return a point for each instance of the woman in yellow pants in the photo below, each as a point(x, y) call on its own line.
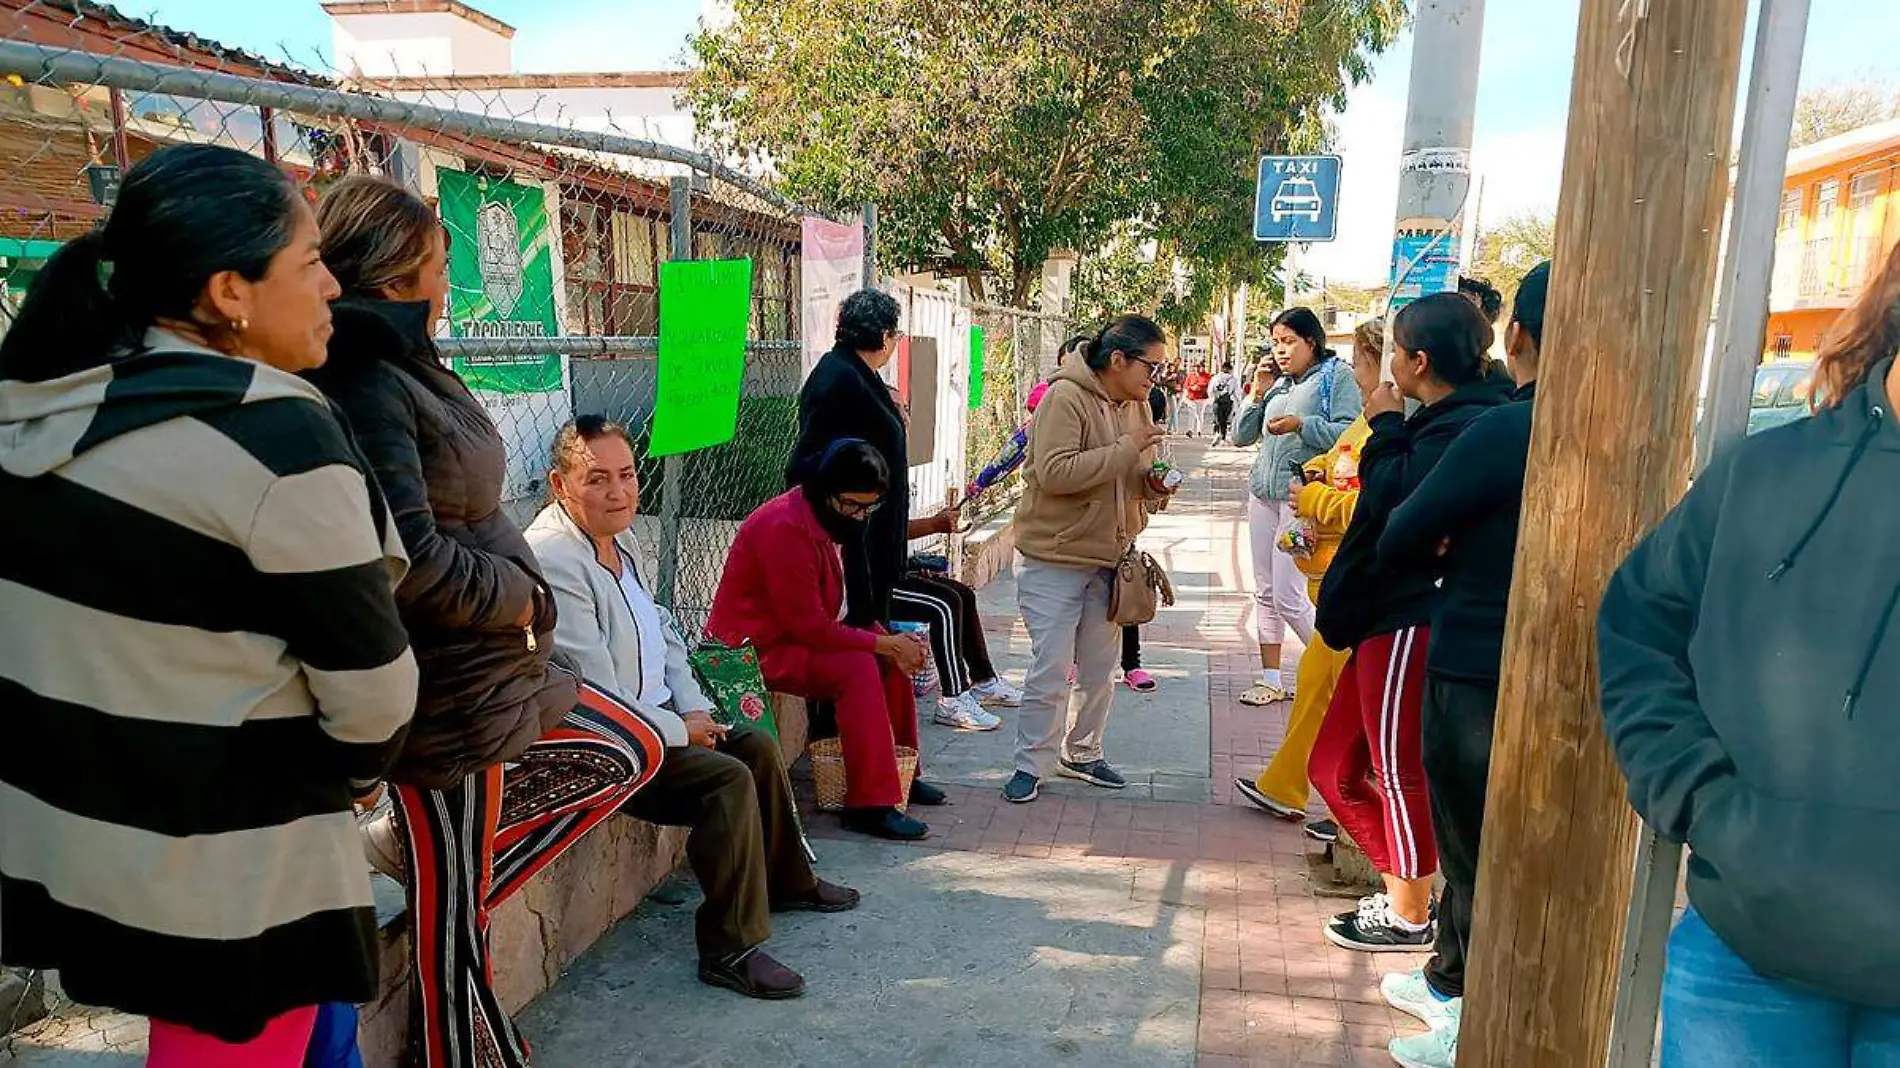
point(1325, 501)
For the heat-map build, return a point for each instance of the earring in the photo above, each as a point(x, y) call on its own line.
point(240, 325)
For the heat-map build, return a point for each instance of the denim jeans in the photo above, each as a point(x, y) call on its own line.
point(1719, 1013)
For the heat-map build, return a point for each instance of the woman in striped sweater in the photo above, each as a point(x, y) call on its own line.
point(200, 654)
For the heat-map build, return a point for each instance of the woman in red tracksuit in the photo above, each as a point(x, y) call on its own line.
point(1367, 761)
point(783, 592)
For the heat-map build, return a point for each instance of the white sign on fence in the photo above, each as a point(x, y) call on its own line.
point(831, 268)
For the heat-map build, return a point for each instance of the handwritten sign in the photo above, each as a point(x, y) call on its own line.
point(976, 368)
point(705, 308)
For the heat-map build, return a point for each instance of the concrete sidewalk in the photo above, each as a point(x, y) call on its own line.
point(1161, 925)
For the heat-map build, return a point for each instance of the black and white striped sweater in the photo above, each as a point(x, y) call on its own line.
point(199, 651)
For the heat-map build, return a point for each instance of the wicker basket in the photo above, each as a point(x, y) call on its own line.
point(827, 772)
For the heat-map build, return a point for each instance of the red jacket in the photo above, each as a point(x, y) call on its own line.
point(783, 587)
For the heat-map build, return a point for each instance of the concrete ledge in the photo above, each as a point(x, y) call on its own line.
point(559, 914)
point(988, 549)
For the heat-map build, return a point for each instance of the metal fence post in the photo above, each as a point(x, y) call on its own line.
point(680, 246)
point(870, 246)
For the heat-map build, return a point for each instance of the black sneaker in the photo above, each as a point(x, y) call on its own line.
point(1378, 933)
point(1022, 788)
point(1095, 773)
point(1323, 831)
point(928, 794)
point(1248, 790)
point(1370, 905)
point(886, 823)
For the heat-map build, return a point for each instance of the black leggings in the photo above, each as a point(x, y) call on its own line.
point(956, 629)
point(1131, 648)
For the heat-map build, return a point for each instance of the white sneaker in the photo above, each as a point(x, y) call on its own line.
point(1435, 1049)
point(963, 713)
point(1408, 992)
point(997, 693)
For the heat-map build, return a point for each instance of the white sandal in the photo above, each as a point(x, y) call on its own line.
point(1261, 694)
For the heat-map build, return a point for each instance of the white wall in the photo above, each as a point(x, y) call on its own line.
point(411, 46)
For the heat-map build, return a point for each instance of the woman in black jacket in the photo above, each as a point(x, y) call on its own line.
point(845, 398)
point(1383, 614)
point(1750, 668)
point(1461, 524)
point(482, 623)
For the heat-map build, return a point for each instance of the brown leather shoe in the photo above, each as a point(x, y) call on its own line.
point(756, 975)
point(825, 897)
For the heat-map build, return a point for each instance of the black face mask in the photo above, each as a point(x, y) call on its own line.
point(843, 530)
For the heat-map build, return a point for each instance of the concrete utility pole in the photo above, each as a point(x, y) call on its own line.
point(1645, 178)
point(1435, 171)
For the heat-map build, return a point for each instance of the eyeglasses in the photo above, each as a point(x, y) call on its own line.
point(855, 509)
point(1154, 369)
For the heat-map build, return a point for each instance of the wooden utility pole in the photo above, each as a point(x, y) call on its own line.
point(1646, 173)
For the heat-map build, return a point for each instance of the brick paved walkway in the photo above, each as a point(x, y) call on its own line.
point(1274, 993)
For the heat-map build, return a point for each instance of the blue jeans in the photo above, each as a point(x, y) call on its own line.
point(1719, 1013)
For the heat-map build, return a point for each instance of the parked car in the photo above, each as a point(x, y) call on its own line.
point(1782, 392)
point(1297, 197)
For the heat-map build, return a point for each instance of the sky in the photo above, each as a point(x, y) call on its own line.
point(552, 36)
point(1523, 90)
point(1523, 103)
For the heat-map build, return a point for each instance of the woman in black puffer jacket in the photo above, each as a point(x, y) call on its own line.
point(480, 618)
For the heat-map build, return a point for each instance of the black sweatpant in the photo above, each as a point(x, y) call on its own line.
point(956, 628)
point(1223, 416)
point(1459, 720)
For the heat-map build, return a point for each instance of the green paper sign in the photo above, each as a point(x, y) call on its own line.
point(501, 278)
point(976, 368)
point(705, 311)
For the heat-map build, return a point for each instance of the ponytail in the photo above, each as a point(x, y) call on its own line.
point(1127, 334)
point(69, 321)
point(184, 214)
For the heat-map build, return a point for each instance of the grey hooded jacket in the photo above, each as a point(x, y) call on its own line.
point(1326, 398)
point(1750, 679)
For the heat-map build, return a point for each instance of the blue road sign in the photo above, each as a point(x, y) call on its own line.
point(1297, 199)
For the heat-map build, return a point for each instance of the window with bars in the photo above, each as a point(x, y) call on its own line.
point(1864, 226)
point(1817, 257)
point(1785, 279)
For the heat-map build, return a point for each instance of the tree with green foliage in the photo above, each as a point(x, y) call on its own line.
point(992, 132)
point(1505, 253)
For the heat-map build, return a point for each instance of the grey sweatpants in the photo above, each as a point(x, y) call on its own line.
point(1066, 612)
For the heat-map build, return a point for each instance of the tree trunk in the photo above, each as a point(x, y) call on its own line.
point(1643, 189)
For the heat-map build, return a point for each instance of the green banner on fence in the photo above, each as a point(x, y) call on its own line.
point(705, 309)
point(501, 278)
point(976, 368)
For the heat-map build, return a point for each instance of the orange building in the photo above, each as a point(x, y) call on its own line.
point(1840, 216)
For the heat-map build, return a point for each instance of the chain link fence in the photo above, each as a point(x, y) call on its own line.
point(557, 237)
point(1019, 350)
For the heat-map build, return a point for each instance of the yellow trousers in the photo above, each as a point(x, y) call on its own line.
point(1284, 779)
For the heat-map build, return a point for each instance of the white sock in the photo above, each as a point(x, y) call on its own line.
point(1406, 925)
point(1288, 678)
point(1269, 678)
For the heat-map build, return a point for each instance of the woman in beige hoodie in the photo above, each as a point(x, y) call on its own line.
point(1084, 500)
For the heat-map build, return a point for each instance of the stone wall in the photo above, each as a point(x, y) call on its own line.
point(561, 912)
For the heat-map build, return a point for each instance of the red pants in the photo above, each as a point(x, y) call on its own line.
point(470, 847)
point(282, 1045)
point(1368, 762)
point(877, 711)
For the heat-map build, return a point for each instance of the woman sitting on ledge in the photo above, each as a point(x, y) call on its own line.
point(783, 592)
point(729, 787)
